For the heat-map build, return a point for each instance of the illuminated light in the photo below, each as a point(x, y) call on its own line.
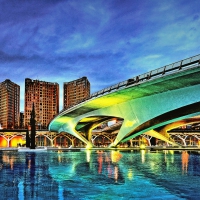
point(142, 146)
point(130, 174)
point(3, 142)
point(59, 158)
point(88, 154)
point(17, 140)
point(143, 156)
point(116, 173)
point(115, 156)
point(129, 123)
point(89, 119)
point(104, 101)
point(29, 164)
point(171, 152)
point(152, 165)
point(185, 159)
point(89, 146)
point(59, 151)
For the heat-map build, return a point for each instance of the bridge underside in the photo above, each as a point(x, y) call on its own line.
point(149, 106)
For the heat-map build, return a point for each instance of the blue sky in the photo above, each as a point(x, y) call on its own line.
point(106, 40)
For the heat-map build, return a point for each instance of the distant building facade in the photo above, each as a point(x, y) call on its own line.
point(45, 96)
point(75, 91)
point(9, 104)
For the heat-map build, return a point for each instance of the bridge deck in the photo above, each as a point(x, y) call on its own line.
point(180, 79)
point(165, 76)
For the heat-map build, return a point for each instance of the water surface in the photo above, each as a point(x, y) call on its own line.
point(99, 175)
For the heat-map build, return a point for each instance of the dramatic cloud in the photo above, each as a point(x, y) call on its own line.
point(107, 41)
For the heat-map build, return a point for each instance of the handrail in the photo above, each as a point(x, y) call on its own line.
point(172, 68)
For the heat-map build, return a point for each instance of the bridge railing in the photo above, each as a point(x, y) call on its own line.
point(168, 69)
point(163, 71)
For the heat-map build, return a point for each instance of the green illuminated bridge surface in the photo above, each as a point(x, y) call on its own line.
point(147, 103)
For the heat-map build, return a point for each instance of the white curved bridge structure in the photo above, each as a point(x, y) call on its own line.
point(146, 103)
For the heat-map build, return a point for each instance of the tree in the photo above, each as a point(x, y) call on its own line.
point(33, 132)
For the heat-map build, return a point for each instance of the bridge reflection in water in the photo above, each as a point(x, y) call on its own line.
point(93, 174)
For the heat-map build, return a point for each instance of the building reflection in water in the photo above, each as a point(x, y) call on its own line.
point(100, 161)
point(55, 175)
point(30, 164)
point(109, 160)
point(8, 159)
point(24, 176)
point(185, 160)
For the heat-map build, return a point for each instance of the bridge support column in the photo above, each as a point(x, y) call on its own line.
point(198, 138)
point(182, 138)
point(70, 129)
point(131, 143)
point(88, 129)
point(51, 142)
point(72, 141)
point(125, 128)
point(148, 138)
point(130, 120)
point(88, 133)
point(155, 134)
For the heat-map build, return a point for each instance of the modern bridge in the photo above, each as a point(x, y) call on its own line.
point(151, 103)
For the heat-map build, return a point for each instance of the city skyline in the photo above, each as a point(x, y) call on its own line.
point(106, 41)
point(49, 82)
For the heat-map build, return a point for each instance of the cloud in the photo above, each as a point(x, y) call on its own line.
point(107, 41)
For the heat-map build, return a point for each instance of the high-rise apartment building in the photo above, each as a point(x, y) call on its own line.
point(75, 91)
point(9, 104)
point(45, 96)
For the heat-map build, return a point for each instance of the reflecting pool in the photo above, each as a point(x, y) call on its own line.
point(91, 174)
